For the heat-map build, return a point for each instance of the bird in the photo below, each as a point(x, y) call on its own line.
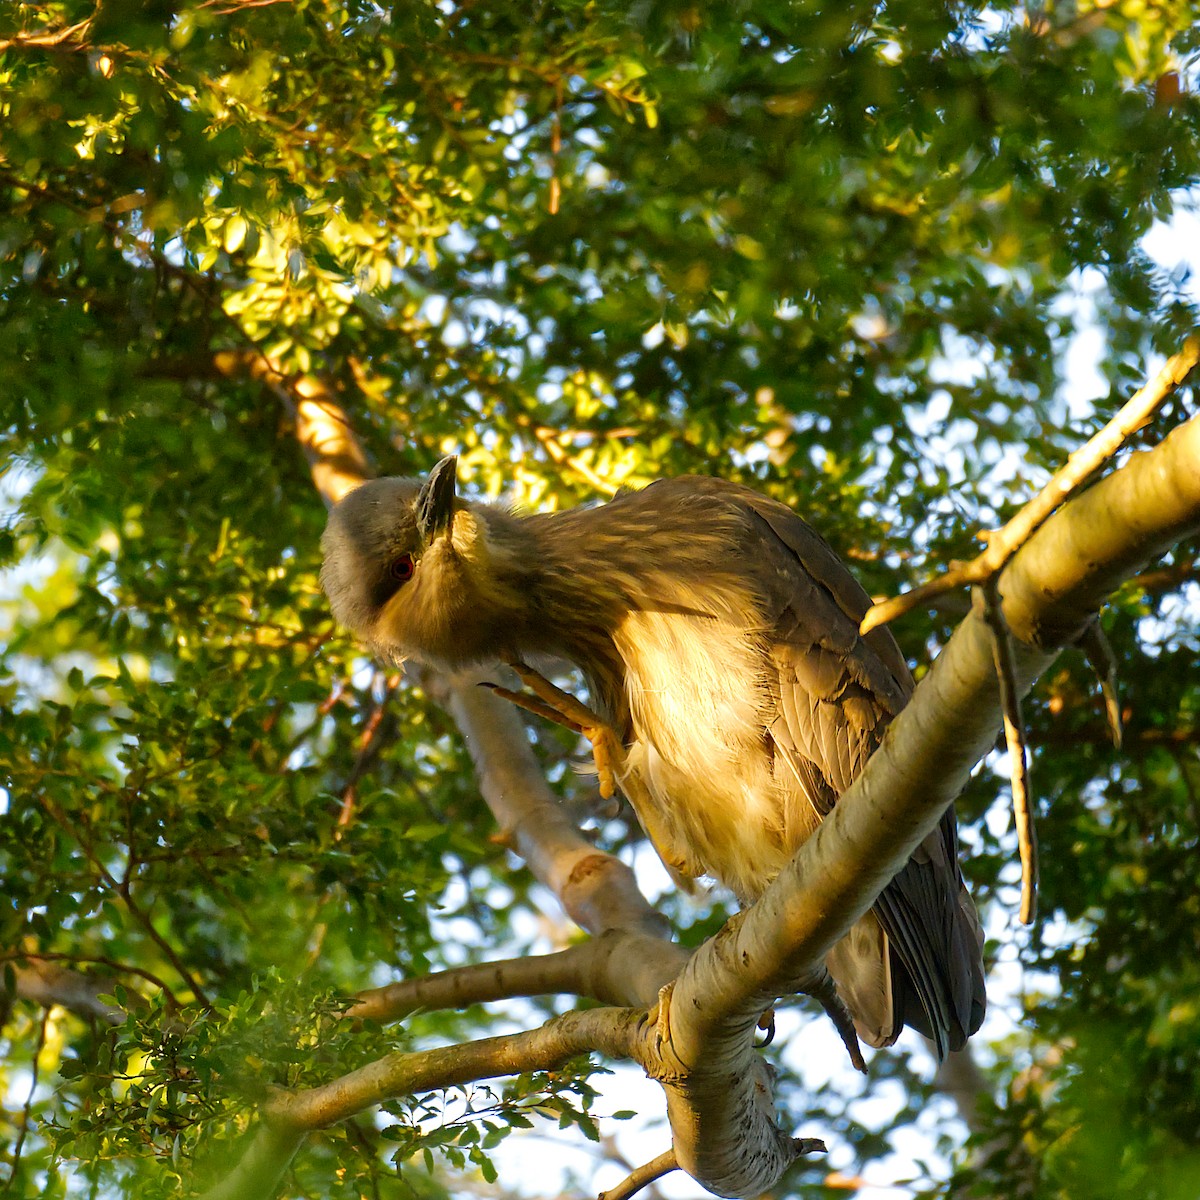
point(718, 635)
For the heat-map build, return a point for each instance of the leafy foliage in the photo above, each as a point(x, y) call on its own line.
point(834, 251)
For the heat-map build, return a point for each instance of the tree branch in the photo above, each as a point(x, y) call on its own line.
point(617, 967)
point(616, 1032)
point(71, 37)
point(259, 1169)
point(335, 455)
point(43, 983)
point(1014, 739)
point(1085, 461)
point(598, 891)
point(642, 1177)
point(611, 1031)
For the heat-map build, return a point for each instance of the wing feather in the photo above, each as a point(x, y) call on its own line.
point(837, 691)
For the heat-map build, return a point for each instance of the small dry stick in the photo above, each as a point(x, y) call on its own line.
point(1099, 652)
point(1014, 737)
point(643, 1176)
point(1003, 543)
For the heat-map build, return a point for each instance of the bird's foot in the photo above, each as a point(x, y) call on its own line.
point(564, 709)
point(531, 704)
point(660, 1016)
point(820, 987)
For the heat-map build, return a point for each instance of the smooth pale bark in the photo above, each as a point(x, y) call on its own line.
point(612, 1031)
point(334, 453)
point(598, 891)
point(260, 1169)
point(615, 1032)
point(615, 968)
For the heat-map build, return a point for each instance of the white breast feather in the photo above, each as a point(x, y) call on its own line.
point(698, 703)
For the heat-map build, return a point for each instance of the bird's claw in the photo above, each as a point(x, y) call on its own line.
point(767, 1024)
point(564, 709)
point(659, 1016)
point(820, 987)
point(531, 704)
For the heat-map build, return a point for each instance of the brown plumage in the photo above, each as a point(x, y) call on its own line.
point(719, 636)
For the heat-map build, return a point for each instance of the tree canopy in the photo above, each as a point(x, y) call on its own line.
point(841, 253)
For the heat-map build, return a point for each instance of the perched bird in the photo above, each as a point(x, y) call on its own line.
point(718, 634)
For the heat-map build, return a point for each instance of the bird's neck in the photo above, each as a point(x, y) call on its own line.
point(565, 603)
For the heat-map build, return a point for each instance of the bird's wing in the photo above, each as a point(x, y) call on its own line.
point(836, 692)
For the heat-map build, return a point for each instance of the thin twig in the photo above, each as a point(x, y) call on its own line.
point(1014, 737)
point(643, 1176)
point(233, 6)
point(50, 40)
point(1080, 466)
point(368, 747)
point(27, 1111)
point(555, 148)
point(122, 888)
point(1099, 653)
point(821, 988)
point(561, 457)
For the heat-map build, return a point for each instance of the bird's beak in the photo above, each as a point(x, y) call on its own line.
point(435, 500)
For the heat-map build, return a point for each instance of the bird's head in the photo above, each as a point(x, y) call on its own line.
point(411, 569)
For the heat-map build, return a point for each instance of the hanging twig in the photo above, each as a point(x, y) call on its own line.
point(555, 148)
point(27, 1111)
point(1003, 543)
point(1099, 653)
point(123, 888)
point(1014, 737)
point(642, 1176)
point(820, 986)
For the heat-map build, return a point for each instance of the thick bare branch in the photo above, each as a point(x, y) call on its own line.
point(259, 1170)
point(598, 891)
point(615, 1032)
point(612, 1031)
point(334, 453)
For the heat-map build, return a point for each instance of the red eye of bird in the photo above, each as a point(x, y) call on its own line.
point(401, 569)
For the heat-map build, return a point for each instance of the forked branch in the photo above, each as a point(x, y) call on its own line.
point(1079, 467)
